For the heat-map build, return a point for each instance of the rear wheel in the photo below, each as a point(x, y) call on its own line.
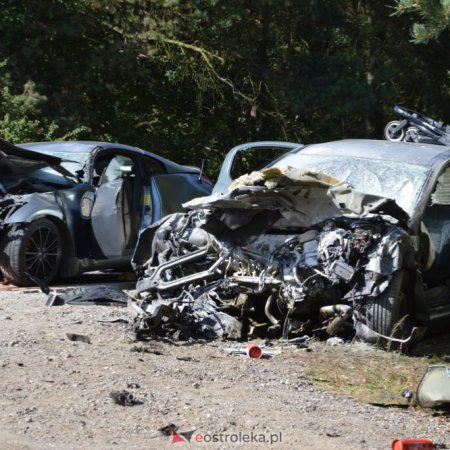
point(34, 248)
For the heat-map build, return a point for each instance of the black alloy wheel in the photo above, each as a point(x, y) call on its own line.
point(43, 252)
point(34, 248)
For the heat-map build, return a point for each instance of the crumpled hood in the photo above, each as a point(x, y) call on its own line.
point(19, 161)
point(301, 198)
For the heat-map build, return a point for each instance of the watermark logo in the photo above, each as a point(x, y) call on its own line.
point(189, 437)
point(182, 436)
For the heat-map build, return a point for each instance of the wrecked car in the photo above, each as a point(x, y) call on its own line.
point(72, 207)
point(337, 238)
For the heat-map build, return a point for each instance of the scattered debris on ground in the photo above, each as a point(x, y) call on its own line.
point(78, 338)
point(123, 398)
point(195, 385)
point(89, 295)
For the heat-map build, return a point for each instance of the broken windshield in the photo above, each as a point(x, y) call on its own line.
point(72, 161)
point(391, 179)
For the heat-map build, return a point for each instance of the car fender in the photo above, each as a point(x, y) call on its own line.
point(40, 206)
point(35, 207)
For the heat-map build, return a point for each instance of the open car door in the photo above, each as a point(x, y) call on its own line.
point(111, 218)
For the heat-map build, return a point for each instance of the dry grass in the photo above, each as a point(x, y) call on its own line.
point(365, 373)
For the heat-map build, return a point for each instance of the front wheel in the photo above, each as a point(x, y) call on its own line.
point(393, 133)
point(34, 248)
point(389, 313)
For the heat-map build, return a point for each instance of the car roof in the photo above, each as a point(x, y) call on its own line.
point(422, 154)
point(63, 146)
point(88, 146)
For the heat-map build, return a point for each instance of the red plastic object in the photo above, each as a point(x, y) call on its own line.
point(253, 351)
point(412, 444)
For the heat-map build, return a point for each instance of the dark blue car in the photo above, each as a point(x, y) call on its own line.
point(72, 207)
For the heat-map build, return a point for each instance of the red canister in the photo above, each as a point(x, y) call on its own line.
point(253, 351)
point(412, 444)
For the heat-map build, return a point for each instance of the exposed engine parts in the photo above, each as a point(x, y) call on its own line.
point(238, 273)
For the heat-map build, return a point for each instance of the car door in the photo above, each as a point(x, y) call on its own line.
point(114, 215)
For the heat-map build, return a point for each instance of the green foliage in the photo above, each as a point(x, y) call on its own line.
point(191, 78)
point(20, 114)
point(434, 16)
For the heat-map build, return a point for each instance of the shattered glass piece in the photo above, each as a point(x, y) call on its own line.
point(78, 337)
point(123, 398)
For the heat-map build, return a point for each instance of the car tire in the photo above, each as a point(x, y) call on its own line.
point(391, 135)
point(35, 248)
point(389, 313)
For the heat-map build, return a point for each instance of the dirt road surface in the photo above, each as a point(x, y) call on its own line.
point(56, 392)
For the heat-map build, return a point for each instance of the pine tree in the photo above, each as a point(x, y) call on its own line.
point(434, 17)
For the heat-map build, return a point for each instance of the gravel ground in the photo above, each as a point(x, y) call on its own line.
point(56, 391)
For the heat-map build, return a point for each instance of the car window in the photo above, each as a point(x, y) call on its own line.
point(250, 159)
point(72, 161)
point(118, 167)
point(441, 193)
point(152, 167)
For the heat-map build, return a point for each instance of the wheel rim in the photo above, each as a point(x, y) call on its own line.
point(392, 134)
point(412, 134)
point(43, 253)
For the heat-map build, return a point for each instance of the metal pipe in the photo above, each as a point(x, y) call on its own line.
point(155, 281)
point(276, 325)
point(332, 310)
point(341, 313)
point(267, 311)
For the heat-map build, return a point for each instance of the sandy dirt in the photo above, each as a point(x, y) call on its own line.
point(56, 392)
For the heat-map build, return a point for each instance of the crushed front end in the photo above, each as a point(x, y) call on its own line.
point(285, 253)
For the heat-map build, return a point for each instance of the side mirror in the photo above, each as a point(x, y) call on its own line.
point(86, 204)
